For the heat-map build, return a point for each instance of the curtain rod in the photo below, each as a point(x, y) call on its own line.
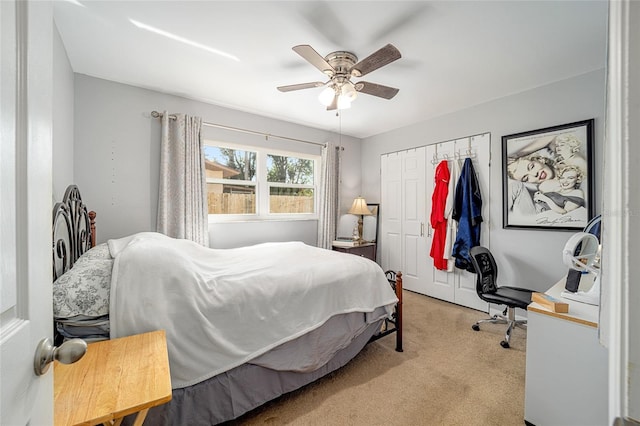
point(156, 114)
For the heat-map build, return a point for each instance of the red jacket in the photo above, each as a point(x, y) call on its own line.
point(438, 220)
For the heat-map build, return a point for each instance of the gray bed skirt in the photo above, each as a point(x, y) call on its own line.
point(231, 394)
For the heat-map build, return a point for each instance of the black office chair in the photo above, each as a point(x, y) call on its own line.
point(488, 290)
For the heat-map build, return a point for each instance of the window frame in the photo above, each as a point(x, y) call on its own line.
point(262, 186)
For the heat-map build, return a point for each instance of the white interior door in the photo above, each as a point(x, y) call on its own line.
point(459, 286)
point(391, 212)
point(414, 221)
point(439, 284)
point(479, 147)
point(25, 218)
point(403, 221)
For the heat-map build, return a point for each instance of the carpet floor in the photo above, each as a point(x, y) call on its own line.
point(448, 374)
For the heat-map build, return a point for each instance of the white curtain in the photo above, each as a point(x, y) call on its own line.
point(182, 210)
point(329, 195)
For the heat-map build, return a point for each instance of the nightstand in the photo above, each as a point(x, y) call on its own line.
point(367, 250)
point(115, 378)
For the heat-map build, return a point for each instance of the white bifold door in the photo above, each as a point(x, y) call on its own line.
point(403, 216)
point(407, 184)
point(459, 286)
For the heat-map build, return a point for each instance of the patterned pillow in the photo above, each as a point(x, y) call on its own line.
point(99, 252)
point(84, 289)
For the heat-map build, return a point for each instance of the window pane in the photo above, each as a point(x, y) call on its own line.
point(289, 170)
point(231, 199)
point(290, 200)
point(227, 163)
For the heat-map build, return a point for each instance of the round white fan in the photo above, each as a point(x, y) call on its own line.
point(581, 253)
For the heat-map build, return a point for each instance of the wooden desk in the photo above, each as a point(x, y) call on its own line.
point(566, 374)
point(114, 379)
point(582, 313)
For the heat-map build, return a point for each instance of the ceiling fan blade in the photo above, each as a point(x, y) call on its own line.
point(300, 86)
point(415, 12)
point(376, 89)
point(314, 58)
point(326, 22)
point(378, 59)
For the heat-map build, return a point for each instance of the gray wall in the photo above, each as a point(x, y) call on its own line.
point(116, 159)
point(62, 119)
point(117, 154)
point(525, 257)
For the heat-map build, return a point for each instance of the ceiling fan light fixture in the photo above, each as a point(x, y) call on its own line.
point(349, 91)
point(340, 66)
point(327, 95)
point(344, 102)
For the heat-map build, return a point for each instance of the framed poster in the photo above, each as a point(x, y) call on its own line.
point(548, 178)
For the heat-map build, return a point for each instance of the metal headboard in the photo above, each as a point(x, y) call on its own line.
point(73, 231)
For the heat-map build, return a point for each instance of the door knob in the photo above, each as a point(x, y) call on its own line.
point(68, 353)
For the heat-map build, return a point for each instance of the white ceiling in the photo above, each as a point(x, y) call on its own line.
point(455, 54)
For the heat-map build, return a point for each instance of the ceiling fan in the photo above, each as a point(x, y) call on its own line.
point(340, 67)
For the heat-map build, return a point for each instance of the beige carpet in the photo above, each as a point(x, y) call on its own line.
point(448, 374)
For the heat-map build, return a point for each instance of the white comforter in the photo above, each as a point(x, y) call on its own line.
point(222, 308)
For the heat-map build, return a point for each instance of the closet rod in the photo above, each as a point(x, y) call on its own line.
point(156, 114)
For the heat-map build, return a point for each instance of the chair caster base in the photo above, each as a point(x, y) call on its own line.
point(475, 327)
point(504, 344)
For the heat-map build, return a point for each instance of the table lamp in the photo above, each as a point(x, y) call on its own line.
point(359, 208)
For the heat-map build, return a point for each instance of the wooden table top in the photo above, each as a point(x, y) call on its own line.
point(115, 378)
point(582, 313)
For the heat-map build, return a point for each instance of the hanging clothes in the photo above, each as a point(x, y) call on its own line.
point(452, 225)
point(438, 219)
point(467, 210)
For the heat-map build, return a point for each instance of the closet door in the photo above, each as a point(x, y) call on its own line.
point(414, 220)
point(391, 212)
point(458, 286)
point(440, 284)
point(479, 147)
point(403, 220)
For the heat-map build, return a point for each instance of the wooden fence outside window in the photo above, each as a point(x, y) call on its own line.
point(225, 203)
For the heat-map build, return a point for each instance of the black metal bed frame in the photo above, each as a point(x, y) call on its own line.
point(73, 231)
point(395, 280)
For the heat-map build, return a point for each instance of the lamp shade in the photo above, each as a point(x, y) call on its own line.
point(327, 95)
point(349, 91)
point(344, 102)
point(359, 207)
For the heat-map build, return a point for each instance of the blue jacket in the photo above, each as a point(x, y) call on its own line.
point(467, 211)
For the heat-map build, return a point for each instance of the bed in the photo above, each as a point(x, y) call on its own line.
point(244, 326)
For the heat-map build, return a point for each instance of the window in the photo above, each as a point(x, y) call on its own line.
point(231, 180)
point(251, 182)
point(290, 181)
